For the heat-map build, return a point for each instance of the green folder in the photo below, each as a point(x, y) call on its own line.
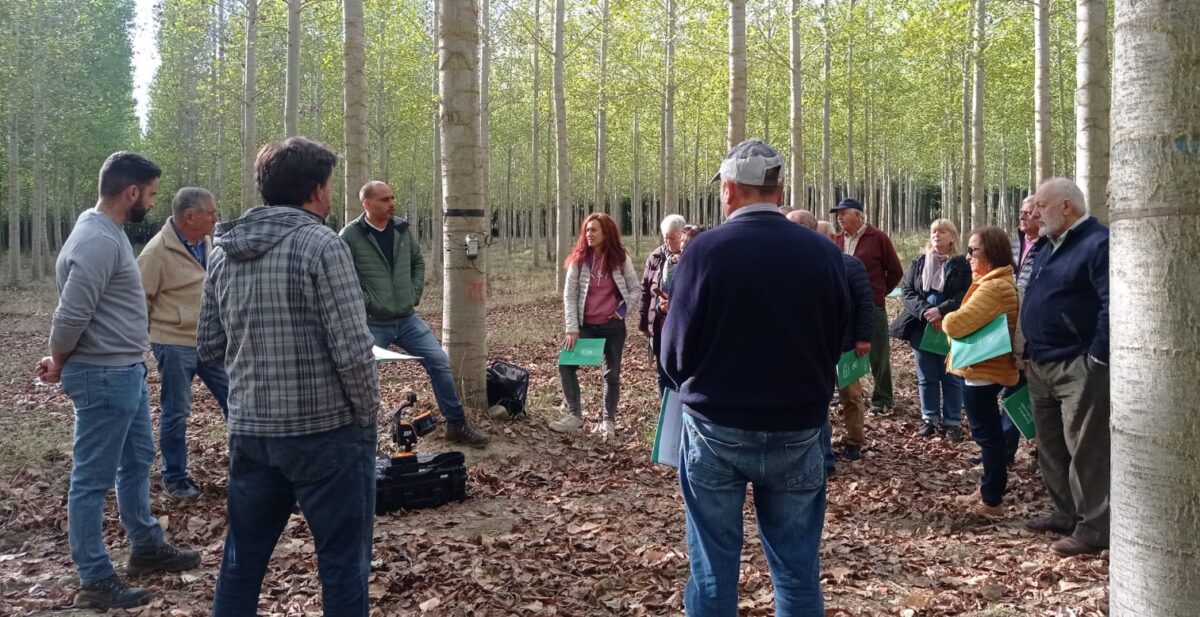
point(670, 430)
point(851, 367)
point(895, 293)
point(985, 343)
point(1021, 412)
point(587, 352)
point(934, 341)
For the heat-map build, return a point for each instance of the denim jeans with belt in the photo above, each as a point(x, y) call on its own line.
point(178, 365)
point(787, 471)
point(413, 336)
point(613, 333)
point(113, 443)
point(332, 476)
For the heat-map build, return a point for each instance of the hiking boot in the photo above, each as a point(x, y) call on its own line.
point(928, 429)
point(111, 592)
point(852, 452)
point(954, 434)
point(162, 558)
point(1071, 546)
point(464, 433)
point(989, 512)
point(182, 491)
point(569, 423)
point(1043, 524)
point(607, 430)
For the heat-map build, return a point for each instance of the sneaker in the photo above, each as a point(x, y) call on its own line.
point(1071, 546)
point(182, 491)
point(852, 452)
point(111, 592)
point(466, 434)
point(607, 430)
point(569, 423)
point(990, 512)
point(928, 429)
point(162, 558)
point(954, 434)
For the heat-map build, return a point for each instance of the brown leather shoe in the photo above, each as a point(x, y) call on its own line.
point(1071, 546)
point(1043, 524)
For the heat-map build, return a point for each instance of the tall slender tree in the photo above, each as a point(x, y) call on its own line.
point(826, 145)
point(979, 213)
point(536, 212)
point(562, 174)
point(1042, 128)
point(435, 215)
point(354, 66)
point(14, 195)
point(250, 106)
point(669, 203)
point(796, 115)
point(1092, 103)
point(736, 130)
point(291, 105)
point(1155, 237)
point(602, 111)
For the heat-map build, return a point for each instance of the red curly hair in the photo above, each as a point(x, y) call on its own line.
point(612, 254)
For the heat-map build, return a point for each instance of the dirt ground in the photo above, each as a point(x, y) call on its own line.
point(554, 525)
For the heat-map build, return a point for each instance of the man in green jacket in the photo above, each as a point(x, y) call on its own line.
point(391, 273)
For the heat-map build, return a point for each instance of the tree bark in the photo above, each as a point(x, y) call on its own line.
point(435, 214)
point(249, 105)
point(979, 210)
point(562, 173)
point(826, 147)
point(485, 60)
point(850, 192)
point(354, 64)
point(635, 195)
point(736, 130)
point(14, 197)
point(535, 213)
point(291, 104)
point(1043, 135)
point(464, 301)
point(1155, 342)
point(669, 202)
point(964, 203)
point(599, 189)
point(1092, 104)
point(797, 109)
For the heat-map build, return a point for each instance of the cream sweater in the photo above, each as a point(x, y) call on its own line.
point(174, 282)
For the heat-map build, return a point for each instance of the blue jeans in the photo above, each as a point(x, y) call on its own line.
point(788, 474)
point(938, 388)
point(983, 411)
point(415, 338)
point(113, 443)
point(332, 476)
point(178, 365)
point(827, 447)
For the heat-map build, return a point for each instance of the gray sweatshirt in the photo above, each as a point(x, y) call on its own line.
point(101, 314)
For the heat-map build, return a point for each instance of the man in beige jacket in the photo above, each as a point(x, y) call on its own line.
point(173, 270)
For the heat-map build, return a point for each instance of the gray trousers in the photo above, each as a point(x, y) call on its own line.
point(1071, 408)
point(613, 334)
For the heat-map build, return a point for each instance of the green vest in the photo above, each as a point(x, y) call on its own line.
point(390, 294)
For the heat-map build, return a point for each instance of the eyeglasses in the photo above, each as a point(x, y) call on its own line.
point(972, 249)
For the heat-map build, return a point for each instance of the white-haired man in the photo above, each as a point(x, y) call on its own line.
point(1065, 322)
point(660, 265)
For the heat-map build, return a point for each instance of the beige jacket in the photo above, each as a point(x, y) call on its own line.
point(174, 282)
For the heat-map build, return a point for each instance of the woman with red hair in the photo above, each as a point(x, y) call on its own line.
point(600, 290)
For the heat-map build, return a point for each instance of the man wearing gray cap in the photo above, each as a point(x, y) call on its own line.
point(874, 248)
point(749, 418)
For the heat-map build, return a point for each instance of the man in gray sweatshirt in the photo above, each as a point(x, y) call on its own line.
point(98, 336)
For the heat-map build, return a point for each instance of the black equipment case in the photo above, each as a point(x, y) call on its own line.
point(508, 385)
point(414, 481)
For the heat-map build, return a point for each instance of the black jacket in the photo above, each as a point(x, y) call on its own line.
point(909, 325)
point(861, 325)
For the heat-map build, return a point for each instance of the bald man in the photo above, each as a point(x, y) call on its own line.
point(857, 337)
point(391, 273)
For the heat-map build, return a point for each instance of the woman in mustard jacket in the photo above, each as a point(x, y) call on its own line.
point(993, 293)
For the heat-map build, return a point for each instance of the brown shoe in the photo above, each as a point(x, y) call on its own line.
point(989, 512)
point(467, 435)
point(1071, 546)
point(1043, 524)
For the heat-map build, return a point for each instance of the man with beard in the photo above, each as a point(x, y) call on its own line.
point(1065, 321)
point(98, 335)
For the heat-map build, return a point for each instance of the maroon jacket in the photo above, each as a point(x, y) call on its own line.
point(876, 252)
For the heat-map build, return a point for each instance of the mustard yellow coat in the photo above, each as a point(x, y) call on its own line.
point(989, 296)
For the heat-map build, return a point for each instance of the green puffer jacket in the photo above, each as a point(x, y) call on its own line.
point(390, 295)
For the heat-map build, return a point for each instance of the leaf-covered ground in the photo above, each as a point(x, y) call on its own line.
point(555, 525)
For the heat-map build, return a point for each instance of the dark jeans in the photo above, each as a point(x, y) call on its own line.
point(413, 336)
point(178, 365)
point(983, 412)
point(613, 334)
point(881, 361)
point(941, 391)
point(332, 475)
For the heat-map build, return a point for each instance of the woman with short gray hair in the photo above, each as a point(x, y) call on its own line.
point(658, 269)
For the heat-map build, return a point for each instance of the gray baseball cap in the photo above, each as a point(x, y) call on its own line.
point(754, 163)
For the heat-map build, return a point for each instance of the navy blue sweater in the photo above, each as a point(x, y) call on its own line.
point(1065, 311)
point(756, 323)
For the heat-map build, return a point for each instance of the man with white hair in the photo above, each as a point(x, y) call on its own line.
point(1065, 321)
point(660, 266)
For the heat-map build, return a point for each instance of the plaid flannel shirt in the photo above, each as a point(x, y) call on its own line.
point(283, 313)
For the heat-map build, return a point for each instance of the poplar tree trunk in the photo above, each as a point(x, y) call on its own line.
point(669, 203)
point(562, 174)
point(850, 192)
point(354, 64)
point(218, 86)
point(14, 198)
point(797, 109)
point(1043, 142)
point(635, 195)
point(1155, 342)
point(979, 210)
point(826, 151)
point(291, 104)
point(1092, 104)
point(249, 105)
point(736, 130)
point(535, 213)
point(599, 189)
point(485, 60)
point(965, 196)
point(435, 213)
point(464, 301)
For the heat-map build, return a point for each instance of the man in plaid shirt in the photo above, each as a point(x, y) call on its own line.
point(282, 311)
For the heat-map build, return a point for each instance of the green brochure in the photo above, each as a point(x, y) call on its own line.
point(895, 293)
point(934, 341)
point(670, 430)
point(1020, 411)
point(851, 367)
point(587, 352)
point(985, 343)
